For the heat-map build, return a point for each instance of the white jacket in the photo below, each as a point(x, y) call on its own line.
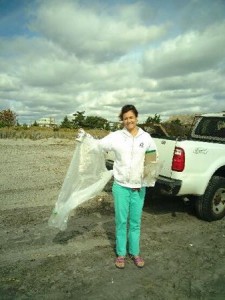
point(129, 155)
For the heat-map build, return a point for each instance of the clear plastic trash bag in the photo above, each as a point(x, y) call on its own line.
point(151, 172)
point(86, 177)
point(152, 168)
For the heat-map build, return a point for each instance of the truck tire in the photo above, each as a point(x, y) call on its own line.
point(211, 205)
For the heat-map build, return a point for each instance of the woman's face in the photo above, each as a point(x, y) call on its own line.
point(129, 120)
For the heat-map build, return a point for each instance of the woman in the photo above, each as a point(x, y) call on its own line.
point(130, 146)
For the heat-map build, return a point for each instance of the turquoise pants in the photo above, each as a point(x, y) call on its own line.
point(128, 211)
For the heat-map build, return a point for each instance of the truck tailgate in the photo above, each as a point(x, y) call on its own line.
point(165, 150)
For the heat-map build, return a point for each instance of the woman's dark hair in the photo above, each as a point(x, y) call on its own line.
point(127, 108)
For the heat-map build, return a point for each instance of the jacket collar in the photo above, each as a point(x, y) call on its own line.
point(126, 132)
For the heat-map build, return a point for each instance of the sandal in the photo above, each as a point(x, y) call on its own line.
point(138, 261)
point(120, 262)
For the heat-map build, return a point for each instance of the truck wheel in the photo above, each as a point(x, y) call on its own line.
point(211, 205)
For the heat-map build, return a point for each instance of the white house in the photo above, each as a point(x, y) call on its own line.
point(46, 122)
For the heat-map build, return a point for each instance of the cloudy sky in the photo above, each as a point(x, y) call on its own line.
point(58, 57)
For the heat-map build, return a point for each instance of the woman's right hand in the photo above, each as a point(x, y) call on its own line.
point(80, 135)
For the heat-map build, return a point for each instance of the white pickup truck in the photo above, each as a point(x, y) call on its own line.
point(195, 167)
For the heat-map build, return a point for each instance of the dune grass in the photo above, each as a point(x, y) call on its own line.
point(36, 133)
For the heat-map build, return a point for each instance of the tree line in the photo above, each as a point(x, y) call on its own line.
point(8, 118)
point(80, 120)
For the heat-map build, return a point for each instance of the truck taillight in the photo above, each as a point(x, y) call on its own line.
point(178, 163)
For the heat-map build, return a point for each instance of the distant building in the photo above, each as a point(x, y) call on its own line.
point(46, 122)
point(114, 125)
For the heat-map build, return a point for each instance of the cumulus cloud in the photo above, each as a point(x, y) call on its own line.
point(96, 56)
point(8, 83)
point(95, 34)
point(189, 53)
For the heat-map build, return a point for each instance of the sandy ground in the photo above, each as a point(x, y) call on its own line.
point(185, 257)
